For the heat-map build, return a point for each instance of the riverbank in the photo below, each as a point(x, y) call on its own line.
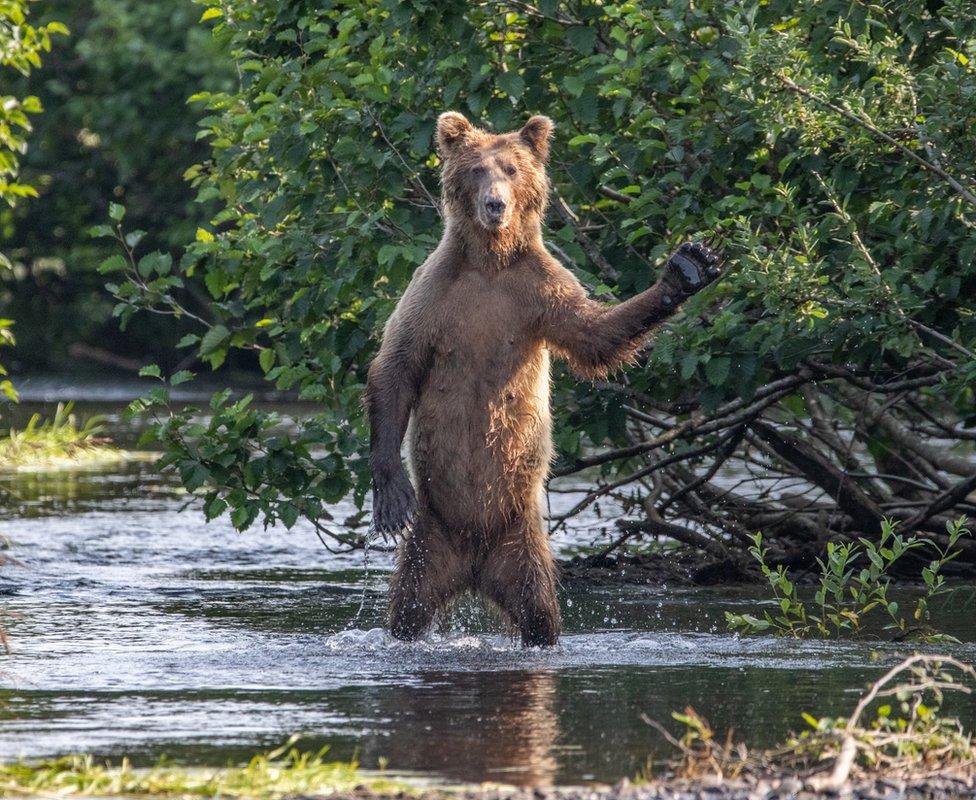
point(62, 443)
point(262, 780)
point(772, 788)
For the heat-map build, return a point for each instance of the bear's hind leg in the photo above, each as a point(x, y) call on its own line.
point(520, 577)
point(428, 574)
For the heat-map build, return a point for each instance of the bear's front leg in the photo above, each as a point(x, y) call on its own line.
point(394, 500)
point(595, 338)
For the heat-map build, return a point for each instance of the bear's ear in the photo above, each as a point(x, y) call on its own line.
point(451, 130)
point(536, 134)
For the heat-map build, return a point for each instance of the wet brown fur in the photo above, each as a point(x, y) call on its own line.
point(465, 361)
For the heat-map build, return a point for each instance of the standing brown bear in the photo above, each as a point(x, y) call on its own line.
point(464, 364)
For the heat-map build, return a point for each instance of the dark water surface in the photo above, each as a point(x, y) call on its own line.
point(145, 631)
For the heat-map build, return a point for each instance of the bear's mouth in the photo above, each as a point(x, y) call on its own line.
point(493, 223)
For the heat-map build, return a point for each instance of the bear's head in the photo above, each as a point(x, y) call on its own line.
point(496, 182)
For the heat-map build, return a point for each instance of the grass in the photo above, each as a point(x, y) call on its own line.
point(59, 443)
point(283, 772)
point(905, 736)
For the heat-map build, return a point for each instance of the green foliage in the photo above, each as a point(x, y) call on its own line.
point(285, 772)
point(116, 127)
point(909, 730)
point(6, 339)
point(853, 588)
point(910, 736)
point(59, 442)
point(21, 46)
point(829, 140)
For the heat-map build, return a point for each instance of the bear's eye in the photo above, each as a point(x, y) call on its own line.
point(510, 170)
point(477, 170)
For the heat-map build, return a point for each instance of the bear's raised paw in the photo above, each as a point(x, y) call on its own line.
point(692, 267)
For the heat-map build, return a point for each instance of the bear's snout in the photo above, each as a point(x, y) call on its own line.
point(495, 208)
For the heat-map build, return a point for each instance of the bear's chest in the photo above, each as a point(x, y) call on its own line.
point(488, 318)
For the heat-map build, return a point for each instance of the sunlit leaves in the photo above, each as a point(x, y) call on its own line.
point(21, 47)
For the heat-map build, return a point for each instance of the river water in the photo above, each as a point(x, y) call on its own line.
point(144, 631)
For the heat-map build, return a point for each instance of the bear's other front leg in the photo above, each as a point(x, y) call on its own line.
point(519, 575)
point(595, 338)
point(427, 575)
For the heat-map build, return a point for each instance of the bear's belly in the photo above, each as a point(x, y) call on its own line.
point(480, 443)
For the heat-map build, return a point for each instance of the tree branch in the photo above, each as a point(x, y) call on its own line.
point(963, 192)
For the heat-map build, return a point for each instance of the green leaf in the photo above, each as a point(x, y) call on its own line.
point(214, 508)
point(101, 231)
point(213, 339)
point(194, 476)
point(584, 138)
point(574, 85)
point(116, 211)
point(113, 263)
point(511, 83)
point(149, 371)
point(288, 514)
point(582, 38)
point(132, 238)
point(717, 370)
point(240, 517)
point(155, 262)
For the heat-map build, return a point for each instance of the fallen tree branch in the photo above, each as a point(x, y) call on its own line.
point(819, 470)
point(679, 533)
point(727, 416)
point(943, 502)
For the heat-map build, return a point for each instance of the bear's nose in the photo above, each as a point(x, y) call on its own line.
point(495, 207)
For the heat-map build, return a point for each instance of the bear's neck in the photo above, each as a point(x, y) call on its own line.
point(494, 250)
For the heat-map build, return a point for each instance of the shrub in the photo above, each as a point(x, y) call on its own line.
point(829, 142)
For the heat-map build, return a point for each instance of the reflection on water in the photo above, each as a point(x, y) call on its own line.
point(147, 631)
point(504, 729)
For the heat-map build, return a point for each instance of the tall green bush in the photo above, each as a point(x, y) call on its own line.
point(831, 142)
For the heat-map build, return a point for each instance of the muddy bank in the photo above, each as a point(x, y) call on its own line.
point(677, 567)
